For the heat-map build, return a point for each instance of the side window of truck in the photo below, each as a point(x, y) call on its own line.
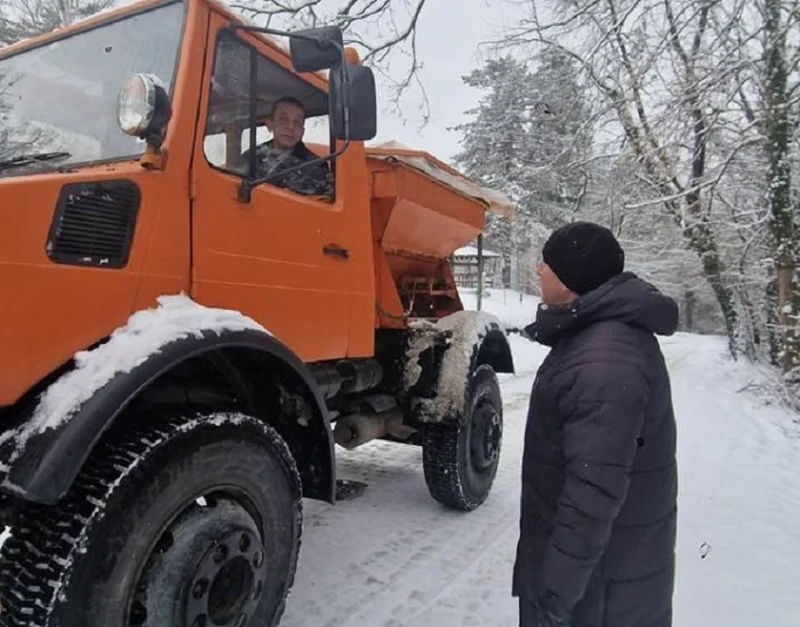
point(291, 122)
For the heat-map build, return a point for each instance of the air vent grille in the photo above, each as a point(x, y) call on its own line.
point(94, 224)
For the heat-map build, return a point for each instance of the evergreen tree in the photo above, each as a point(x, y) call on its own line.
point(528, 137)
point(493, 142)
point(559, 140)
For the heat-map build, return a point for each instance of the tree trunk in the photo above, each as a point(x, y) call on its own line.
point(688, 310)
point(727, 304)
point(771, 314)
point(702, 242)
point(779, 184)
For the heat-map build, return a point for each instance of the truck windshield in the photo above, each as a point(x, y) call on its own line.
point(60, 98)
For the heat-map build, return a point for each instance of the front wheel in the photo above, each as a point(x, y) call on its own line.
point(460, 458)
point(187, 522)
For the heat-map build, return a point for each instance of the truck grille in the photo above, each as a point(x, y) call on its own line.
point(94, 224)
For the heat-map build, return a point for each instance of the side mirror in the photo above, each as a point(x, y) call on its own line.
point(316, 49)
point(144, 109)
point(353, 105)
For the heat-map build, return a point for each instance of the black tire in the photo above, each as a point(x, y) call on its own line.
point(185, 517)
point(461, 457)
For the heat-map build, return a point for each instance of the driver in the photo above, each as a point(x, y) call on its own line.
point(286, 149)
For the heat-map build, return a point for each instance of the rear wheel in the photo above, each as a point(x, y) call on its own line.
point(187, 522)
point(460, 458)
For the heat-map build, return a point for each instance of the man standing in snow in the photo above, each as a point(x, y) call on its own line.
point(599, 477)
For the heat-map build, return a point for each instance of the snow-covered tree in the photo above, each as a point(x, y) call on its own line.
point(7, 30)
point(493, 145)
point(779, 123)
point(6, 147)
point(529, 137)
point(530, 134)
point(495, 141)
point(559, 140)
point(701, 98)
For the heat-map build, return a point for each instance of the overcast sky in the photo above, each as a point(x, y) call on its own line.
point(450, 32)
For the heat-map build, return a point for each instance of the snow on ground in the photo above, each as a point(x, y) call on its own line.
point(394, 557)
point(515, 309)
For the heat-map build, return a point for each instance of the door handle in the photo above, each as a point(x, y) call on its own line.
point(336, 251)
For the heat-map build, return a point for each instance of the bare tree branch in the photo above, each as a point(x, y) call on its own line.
point(28, 18)
point(383, 31)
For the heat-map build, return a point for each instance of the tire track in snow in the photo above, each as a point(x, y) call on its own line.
point(468, 572)
point(394, 555)
point(415, 590)
point(389, 552)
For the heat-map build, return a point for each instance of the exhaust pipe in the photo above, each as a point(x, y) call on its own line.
point(357, 429)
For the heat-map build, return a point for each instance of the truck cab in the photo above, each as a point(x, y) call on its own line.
point(186, 337)
point(170, 223)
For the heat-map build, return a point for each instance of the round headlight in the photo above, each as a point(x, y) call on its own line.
point(136, 105)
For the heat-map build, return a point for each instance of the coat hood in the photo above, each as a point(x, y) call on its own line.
point(625, 298)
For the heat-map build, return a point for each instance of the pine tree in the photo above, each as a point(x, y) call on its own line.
point(559, 140)
point(529, 138)
point(493, 143)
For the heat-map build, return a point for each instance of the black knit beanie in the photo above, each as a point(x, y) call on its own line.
point(583, 255)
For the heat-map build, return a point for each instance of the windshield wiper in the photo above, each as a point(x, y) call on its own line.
point(39, 157)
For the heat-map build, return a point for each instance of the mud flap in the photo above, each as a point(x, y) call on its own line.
point(441, 356)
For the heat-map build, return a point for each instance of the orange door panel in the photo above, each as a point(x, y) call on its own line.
point(267, 258)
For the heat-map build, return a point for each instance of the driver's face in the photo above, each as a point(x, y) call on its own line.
point(287, 125)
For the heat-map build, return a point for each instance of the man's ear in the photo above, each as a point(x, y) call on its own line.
point(268, 124)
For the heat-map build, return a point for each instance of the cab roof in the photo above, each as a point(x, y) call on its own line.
point(116, 13)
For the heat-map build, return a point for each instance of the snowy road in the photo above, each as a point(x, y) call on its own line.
point(394, 557)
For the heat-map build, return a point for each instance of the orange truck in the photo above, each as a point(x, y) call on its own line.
point(184, 341)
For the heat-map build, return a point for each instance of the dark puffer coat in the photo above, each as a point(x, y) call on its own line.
point(599, 477)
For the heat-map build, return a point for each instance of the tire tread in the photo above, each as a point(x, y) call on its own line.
point(441, 452)
point(35, 562)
